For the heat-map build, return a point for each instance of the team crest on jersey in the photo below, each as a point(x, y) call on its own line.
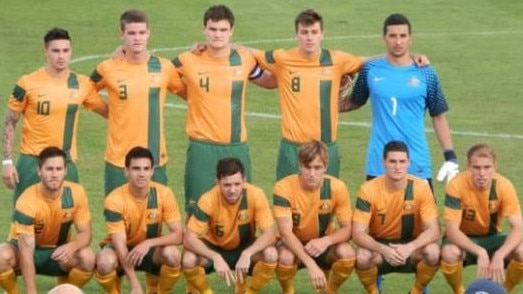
point(325, 206)
point(243, 215)
point(73, 94)
point(39, 226)
point(326, 72)
point(492, 206)
point(408, 206)
point(153, 216)
point(155, 79)
point(413, 82)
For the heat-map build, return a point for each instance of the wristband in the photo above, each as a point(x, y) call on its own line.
point(7, 162)
point(450, 155)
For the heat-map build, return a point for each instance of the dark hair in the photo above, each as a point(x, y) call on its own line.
point(56, 34)
point(138, 152)
point(308, 17)
point(396, 19)
point(395, 146)
point(50, 152)
point(217, 13)
point(133, 16)
point(309, 151)
point(229, 166)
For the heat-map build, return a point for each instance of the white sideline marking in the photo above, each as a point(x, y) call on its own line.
point(444, 34)
point(368, 125)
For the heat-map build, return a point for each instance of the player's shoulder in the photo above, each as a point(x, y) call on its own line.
point(335, 183)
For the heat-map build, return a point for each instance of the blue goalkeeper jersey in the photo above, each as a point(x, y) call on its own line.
point(400, 96)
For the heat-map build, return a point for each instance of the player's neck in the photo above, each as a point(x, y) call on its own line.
point(139, 193)
point(402, 60)
point(56, 73)
point(392, 184)
point(137, 57)
point(50, 194)
point(219, 52)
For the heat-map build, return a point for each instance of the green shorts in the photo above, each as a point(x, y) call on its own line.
point(322, 260)
point(491, 243)
point(200, 167)
point(288, 159)
point(115, 176)
point(147, 264)
point(386, 268)
point(44, 264)
point(230, 256)
point(27, 166)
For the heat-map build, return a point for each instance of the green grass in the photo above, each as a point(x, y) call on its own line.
point(473, 44)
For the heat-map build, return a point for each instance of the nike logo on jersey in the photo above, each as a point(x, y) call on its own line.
point(378, 79)
point(41, 95)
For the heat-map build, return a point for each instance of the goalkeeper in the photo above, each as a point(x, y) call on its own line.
point(400, 94)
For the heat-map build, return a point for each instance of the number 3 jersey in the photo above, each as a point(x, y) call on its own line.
point(50, 109)
point(400, 96)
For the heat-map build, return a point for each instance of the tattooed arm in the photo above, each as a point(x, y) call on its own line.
point(9, 174)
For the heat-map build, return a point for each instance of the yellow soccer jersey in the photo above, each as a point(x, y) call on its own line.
point(479, 213)
point(50, 107)
point(216, 94)
point(50, 220)
point(139, 219)
point(230, 226)
point(312, 212)
point(309, 91)
point(395, 214)
point(137, 93)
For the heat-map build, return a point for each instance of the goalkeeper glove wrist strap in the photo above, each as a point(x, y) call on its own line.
point(450, 155)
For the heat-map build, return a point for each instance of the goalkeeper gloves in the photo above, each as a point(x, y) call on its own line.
point(450, 167)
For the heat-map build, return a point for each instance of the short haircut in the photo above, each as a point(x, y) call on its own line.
point(396, 19)
point(395, 146)
point(481, 150)
point(229, 166)
point(133, 16)
point(217, 13)
point(308, 17)
point(309, 151)
point(138, 152)
point(50, 152)
point(56, 34)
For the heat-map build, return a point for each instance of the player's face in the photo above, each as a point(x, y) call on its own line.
point(135, 36)
point(231, 187)
point(398, 39)
point(311, 175)
point(482, 170)
point(309, 38)
point(396, 164)
point(58, 54)
point(52, 173)
point(218, 34)
point(139, 172)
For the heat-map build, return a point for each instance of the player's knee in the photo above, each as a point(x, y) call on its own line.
point(285, 256)
point(344, 251)
point(106, 261)
point(451, 253)
point(189, 259)
point(270, 254)
point(7, 257)
point(170, 255)
point(432, 254)
point(86, 259)
point(363, 258)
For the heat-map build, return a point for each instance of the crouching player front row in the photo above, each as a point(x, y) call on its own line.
point(40, 239)
point(134, 215)
point(395, 224)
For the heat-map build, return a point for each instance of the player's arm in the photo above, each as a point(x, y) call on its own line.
point(267, 80)
point(317, 246)
point(430, 234)
point(357, 96)
point(82, 239)
point(26, 249)
point(514, 238)
point(119, 242)
point(266, 239)
point(102, 109)
point(174, 237)
point(458, 238)
point(361, 237)
point(9, 173)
